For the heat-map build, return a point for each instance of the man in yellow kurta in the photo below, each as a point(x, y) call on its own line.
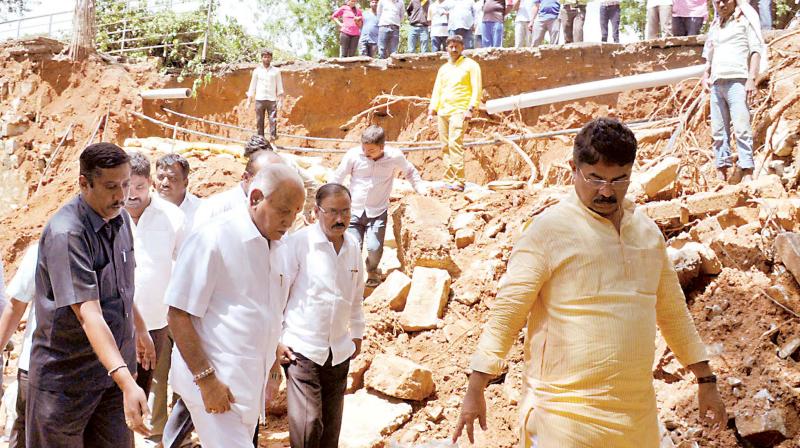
point(455, 97)
point(592, 279)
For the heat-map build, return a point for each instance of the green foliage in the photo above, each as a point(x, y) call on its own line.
point(304, 27)
point(228, 43)
point(8, 7)
point(633, 14)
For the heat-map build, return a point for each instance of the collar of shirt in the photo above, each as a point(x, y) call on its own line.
point(244, 225)
point(97, 222)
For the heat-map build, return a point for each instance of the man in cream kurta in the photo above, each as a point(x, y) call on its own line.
point(224, 317)
point(592, 279)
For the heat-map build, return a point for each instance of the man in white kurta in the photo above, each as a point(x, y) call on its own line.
point(224, 318)
point(172, 183)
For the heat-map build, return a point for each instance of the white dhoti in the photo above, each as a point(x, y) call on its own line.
point(220, 430)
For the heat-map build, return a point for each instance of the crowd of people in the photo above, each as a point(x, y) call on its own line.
point(481, 23)
point(138, 284)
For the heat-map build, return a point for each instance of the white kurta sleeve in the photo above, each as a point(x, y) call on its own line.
point(195, 273)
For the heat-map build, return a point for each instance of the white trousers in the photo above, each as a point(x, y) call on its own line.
point(220, 430)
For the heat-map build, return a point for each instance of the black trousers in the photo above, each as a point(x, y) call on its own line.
point(271, 108)
point(67, 419)
point(687, 26)
point(144, 378)
point(315, 400)
point(609, 13)
point(17, 438)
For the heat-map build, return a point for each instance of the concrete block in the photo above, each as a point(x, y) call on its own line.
point(368, 419)
point(430, 289)
point(767, 186)
point(714, 201)
point(762, 428)
point(399, 378)
point(355, 376)
point(464, 237)
point(392, 292)
point(464, 221)
point(422, 234)
point(663, 210)
point(787, 250)
point(659, 176)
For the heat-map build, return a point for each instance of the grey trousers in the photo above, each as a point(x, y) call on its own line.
point(315, 398)
point(271, 108)
point(66, 419)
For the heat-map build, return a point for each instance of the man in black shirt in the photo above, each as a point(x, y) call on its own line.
point(85, 340)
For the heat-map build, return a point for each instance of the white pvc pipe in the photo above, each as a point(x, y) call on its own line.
point(593, 88)
point(163, 94)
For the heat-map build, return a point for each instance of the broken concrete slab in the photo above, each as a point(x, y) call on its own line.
point(427, 298)
point(422, 233)
point(465, 221)
point(493, 228)
point(13, 126)
point(714, 201)
point(390, 262)
point(476, 194)
point(400, 378)
point(737, 217)
point(785, 212)
point(465, 237)
point(659, 176)
point(763, 428)
point(785, 137)
point(392, 292)
point(663, 210)
point(686, 264)
point(368, 419)
point(787, 251)
point(767, 186)
point(355, 376)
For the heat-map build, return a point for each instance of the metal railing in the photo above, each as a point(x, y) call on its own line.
point(55, 25)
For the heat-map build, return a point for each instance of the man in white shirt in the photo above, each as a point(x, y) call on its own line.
point(372, 168)
point(733, 53)
point(522, 23)
point(390, 17)
point(172, 182)
point(224, 317)
point(266, 87)
point(21, 290)
point(323, 277)
point(236, 196)
point(158, 233)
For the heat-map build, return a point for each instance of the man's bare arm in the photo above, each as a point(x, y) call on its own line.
point(10, 319)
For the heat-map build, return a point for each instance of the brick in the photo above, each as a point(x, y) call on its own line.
point(465, 221)
point(787, 250)
point(764, 428)
point(399, 378)
point(714, 201)
point(464, 238)
point(663, 210)
point(430, 289)
point(659, 176)
point(392, 292)
point(767, 186)
point(422, 234)
point(368, 419)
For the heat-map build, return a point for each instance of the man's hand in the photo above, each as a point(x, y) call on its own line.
point(704, 81)
point(249, 101)
point(432, 116)
point(709, 400)
point(217, 397)
point(474, 406)
point(750, 89)
point(135, 406)
point(355, 354)
point(285, 355)
point(145, 350)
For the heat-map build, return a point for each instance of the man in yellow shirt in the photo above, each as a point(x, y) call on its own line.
point(455, 98)
point(592, 279)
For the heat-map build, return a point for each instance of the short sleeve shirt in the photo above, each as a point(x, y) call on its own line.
point(81, 258)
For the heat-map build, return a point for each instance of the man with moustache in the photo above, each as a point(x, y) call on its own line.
point(158, 233)
point(592, 279)
point(172, 182)
point(224, 315)
point(89, 333)
point(322, 275)
point(454, 100)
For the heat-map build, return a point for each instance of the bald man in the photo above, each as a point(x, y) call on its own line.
point(236, 196)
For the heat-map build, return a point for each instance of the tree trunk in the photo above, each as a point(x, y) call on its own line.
point(83, 30)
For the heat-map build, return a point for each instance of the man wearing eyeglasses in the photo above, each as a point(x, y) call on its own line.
point(372, 167)
point(322, 282)
point(592, 279)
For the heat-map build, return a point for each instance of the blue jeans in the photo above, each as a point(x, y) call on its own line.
point(765, 14)
point(729, 107)
point(370, 231)
point(465, 34)
point(492, 34)
point(439, 43)
point(388, 40)
point(419, 35)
